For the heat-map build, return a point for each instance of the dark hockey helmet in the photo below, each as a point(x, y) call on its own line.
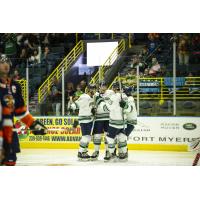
point(92, 87)
point(5, 59)
point(128, 91)
point(116, 86)
point(102, 84)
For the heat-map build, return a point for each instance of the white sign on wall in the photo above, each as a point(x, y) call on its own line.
point(98, 52)
point(165, 130)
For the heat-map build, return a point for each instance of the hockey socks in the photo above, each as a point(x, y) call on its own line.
point(84, 142)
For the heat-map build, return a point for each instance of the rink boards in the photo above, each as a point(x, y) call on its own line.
point(151, 133)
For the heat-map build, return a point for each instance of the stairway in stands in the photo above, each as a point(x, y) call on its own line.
point(40, 95)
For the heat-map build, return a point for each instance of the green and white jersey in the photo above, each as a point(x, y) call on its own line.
point(102, 113)
point(117, 118)
point(131, 111)
point(85, 104)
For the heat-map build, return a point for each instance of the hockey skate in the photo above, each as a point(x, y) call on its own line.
point(95, 156)
point(109, 157)
point(83, 156)
point(123, 157)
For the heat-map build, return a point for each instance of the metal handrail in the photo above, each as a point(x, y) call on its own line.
point(23, 85)
point(164, 90)
point(57, 72)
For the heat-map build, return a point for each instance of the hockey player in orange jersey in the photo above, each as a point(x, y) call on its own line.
point(13, 105)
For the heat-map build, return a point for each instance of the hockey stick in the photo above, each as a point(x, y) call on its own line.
point(120, 88)
point(196, 160)
point(94, 119)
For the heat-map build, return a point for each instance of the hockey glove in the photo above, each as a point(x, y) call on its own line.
point(38, 128)
point(75, 124)
point(93, 111)
point(122, 104)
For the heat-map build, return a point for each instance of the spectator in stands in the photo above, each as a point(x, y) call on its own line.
point(78, 92)
point(136, 61)
point(31, 42)
point(16, 75)
point(47, 59)
point(155, 67)
point(46, 39)
point(144, 53)
point(10, 40)
point(183, 51)
point(69, 90)
point(146, 73)
point(69, 93)
point(153, 43)
point(20, 39)
point(35, 57)
point(23, 57)
point(56, 97)
point(83, 85)
point(154, 36)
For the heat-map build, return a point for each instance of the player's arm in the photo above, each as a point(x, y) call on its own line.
point(124, 102)
point(23, 114)
point(7, 123)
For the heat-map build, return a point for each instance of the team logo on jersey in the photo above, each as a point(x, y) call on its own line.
point(9, 100)
point(14, 89)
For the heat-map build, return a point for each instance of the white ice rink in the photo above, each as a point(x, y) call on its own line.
point(66, 157)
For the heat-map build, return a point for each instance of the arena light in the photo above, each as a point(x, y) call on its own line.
point(98, 52)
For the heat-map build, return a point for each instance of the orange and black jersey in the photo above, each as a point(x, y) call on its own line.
point(13, 104)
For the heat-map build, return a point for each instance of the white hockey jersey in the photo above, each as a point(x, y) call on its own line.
point(117, 116)
point(85, 104)
point(131, 111)
point(102, 110)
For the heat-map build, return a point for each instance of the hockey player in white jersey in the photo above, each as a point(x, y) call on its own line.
point(101, 119)
point(131, 113)
point(85, 104)
point(117, 124)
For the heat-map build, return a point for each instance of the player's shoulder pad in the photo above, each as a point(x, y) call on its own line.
point(130, 98)
point(124, 96)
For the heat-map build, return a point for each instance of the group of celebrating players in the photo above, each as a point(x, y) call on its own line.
point(111, 113)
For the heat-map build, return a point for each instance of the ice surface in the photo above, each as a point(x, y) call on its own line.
point(66, 157)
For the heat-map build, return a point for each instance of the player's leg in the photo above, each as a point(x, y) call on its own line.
point(85, 140)
point(128, 131)
point(112, 132)
point(106, 125)
point(98, 130)
point(122, 146)
point(11, 150)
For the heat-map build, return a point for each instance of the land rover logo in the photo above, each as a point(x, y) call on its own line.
point(189, 126)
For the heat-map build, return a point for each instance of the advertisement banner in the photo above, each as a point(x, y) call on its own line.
point(148, 131)
point(165, 130)
point(60, 131)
